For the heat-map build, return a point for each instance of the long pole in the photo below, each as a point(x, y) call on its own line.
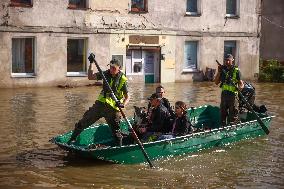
point(122, 113)
point(265, 129)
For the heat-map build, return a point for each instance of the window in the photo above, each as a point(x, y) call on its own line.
point(139, 6)
point(21, 3)
point(230, 47)
point(23, 57)
point(76, 57)
point(232, 8)
point(190, 55)
point(135, 62)
point(193, 7)
point(77, 4)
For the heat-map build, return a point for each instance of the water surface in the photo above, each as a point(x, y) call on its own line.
point(30, 117)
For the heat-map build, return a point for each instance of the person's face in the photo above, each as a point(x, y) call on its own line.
point(178, 111)
point(229, 62)
point(160, 92)
point(114, 69)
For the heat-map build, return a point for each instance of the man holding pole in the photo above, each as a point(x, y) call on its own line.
point(105, 106)
point(229, 76)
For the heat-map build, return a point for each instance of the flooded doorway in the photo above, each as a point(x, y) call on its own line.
point(143, 64)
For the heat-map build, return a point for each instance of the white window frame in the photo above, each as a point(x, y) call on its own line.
point(78, 74)
point(24, 75)
point(237, 10)
point(197, 57)
point(194, 13)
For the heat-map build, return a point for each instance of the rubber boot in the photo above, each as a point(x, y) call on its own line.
point(74, 135)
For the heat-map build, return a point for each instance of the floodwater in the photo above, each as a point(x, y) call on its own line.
point(30, 117)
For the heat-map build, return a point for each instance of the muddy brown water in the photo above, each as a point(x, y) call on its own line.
point(30, 117)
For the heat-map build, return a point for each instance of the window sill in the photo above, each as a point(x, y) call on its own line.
point(192, 14)
point(77, 8)
point(137, 12)
point(23, 75)
point(190, 70)
point(76, 74)
point(232, 16)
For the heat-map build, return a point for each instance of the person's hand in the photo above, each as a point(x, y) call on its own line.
point(91, 58)
point(119, 104)
point(220, 67)
point(142, 130)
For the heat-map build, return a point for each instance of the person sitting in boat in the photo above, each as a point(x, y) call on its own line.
point(181, 124)
point(160, 91)
point(159, 121)
point(105, 106)
point(248, 92)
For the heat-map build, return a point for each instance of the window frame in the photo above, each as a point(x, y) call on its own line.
point(237, 13)
point(188, 69)
point(145, 10)
point(19, 4)
point(78, 73)
point(197, 13)
point(74, 7)
point(25, 75)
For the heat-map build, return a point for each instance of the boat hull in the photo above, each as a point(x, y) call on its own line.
point(130, 154)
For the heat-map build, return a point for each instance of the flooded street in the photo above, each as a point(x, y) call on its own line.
point(30, 117)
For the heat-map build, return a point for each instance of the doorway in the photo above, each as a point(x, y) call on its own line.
point(143, 63)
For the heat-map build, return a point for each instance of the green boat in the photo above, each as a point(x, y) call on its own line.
point(97, 141)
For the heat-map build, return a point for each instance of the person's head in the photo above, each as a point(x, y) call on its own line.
point(114, 66)
point(180, 108)
point(155, 100)
point(160, 91)
point(229, 60)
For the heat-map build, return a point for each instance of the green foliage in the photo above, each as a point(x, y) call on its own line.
point(271, 71)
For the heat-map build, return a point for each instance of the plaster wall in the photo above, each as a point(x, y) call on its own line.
point(106, 22)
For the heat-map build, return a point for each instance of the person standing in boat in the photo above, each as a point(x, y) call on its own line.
point(105, 106)
point(229, 101)
point(159, 121)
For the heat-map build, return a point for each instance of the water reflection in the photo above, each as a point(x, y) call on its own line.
point(30, 117)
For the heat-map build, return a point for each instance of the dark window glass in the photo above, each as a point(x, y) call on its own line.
point(77, 4)
point(230, 48)
point(23, 55)
point(191, 6)
point(21, 3)
point(231, 7)
point(138, 5)
point(76, 55)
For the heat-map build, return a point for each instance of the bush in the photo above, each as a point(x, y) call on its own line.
point(271, 71)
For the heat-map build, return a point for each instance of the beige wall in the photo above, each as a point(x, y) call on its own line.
point(106, 22)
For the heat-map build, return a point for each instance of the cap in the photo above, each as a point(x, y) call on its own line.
point(154, 96)
point(115, 62)
point(229, 56)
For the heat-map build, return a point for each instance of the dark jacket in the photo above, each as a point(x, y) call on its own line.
point(181, 126)
point(160, 119)
point(167, 104)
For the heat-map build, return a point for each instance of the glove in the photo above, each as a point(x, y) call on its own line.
point(91, 58)
point(119, 104)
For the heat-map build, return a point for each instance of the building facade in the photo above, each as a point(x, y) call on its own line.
point(272, 30)
point(46, 43)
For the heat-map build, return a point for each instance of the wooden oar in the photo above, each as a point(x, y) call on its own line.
point(265, 129)
point(122, 113)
